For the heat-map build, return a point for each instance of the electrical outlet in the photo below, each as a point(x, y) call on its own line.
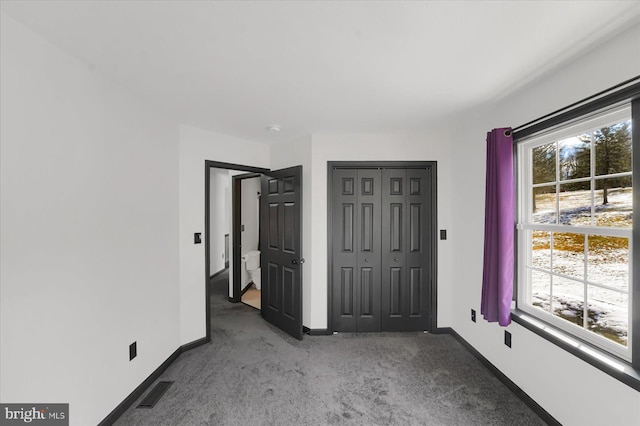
point(473, 315)
point(507, 338)
point(133, 350)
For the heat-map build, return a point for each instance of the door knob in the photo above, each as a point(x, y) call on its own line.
point(294, 261)
point(301, 261)
point(395, 260)
point(366, 260)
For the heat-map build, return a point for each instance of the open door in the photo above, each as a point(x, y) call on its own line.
point(281, 249)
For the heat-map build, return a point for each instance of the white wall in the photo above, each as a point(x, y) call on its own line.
point(196, 146)
point(249, 214)
point(324, 148)
point(554, 378)
point(89, 241)
point(219, 184)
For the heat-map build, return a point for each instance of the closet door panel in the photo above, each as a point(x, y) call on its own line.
point(394, 236)
point(345, 254)
point(356, 222)
point(368, 247)
point(405, 257)
point(418, 248)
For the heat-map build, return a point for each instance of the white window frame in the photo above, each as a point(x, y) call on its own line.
point(525, 227)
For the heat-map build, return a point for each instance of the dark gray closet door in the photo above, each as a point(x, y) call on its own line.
point(356, 239)
point(406, 231)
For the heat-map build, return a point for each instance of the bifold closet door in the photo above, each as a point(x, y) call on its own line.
point(406, 231)
point(356, 223)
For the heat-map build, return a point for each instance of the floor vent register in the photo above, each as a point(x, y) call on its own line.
point(154, 396)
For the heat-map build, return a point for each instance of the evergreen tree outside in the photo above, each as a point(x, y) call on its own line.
point(544, 169)
point(613, 155)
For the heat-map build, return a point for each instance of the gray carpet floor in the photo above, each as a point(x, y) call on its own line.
point(254, 374)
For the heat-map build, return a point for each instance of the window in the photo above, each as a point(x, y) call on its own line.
point(575, 228)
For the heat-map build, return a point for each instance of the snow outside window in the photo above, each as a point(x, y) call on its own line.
point(575, 228)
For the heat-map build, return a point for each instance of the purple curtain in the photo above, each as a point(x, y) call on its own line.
point(499, 224)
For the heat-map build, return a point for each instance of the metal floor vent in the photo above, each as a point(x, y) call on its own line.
point(154, 396)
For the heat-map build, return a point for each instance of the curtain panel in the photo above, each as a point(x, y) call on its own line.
point(499, 228)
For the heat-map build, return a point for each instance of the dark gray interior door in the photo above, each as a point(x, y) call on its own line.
point(406, 231)
point(356, 256)
point(281, 245)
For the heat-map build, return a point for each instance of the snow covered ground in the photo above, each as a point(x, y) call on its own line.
point(575, 208)
point(607, 308)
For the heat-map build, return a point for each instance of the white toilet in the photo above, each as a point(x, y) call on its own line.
point(252, 266)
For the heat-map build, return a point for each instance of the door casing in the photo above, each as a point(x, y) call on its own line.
point(208, 165)
point(431, 325)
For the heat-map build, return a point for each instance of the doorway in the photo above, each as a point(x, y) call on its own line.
point(382, 246)
point(280, 237)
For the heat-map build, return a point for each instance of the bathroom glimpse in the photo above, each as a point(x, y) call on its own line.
point(250, 265)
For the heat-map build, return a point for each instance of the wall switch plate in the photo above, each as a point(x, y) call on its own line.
point(197, 238)
point(133, 350)
point(473, 315)
point(507, 338)
point(242, 228)
point(443, 234)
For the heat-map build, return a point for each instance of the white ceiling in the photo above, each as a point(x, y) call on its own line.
point(322, 67)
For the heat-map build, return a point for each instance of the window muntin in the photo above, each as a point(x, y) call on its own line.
point(575, 226)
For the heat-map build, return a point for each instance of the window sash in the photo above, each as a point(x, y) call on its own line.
point(525, 224)
point(605, 231)
point(524, 297)
point(584, 179)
